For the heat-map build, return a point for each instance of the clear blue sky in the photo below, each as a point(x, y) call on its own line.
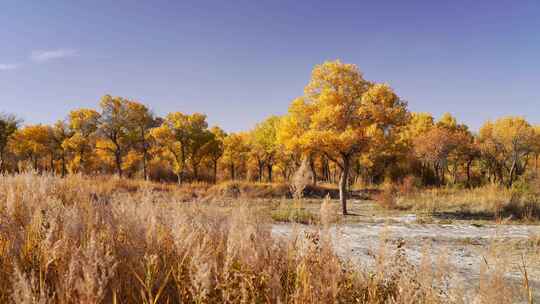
point(240, 61)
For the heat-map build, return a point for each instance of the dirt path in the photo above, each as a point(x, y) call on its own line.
point(466, 246)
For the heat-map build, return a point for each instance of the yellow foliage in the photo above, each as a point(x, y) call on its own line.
point(31, 141)
point(506, 143)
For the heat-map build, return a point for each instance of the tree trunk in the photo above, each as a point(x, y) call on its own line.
point(81, 160)
point(442, 174)
point(145, 152)
point(260, 165)
point(313, 170)
point(469, 173)
point(357, 172)
point(326, 170)
point(63, 165)
point(232, 171)
point(118, 160)
point(436, 171)
point(215, 171)
point(145, 171)
point(511, 177)
point(455, 173)
point(269, 168)
point(51, 164)
point(196, 171)
point(343, 184)
point(535, 164)
point(35, 163)
point(179, 177)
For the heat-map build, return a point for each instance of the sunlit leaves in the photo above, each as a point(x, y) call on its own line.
point(506, 143)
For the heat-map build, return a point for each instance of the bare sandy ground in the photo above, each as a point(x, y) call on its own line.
point(465, 246)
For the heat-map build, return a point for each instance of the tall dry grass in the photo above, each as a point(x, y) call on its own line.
point(102, 240)
point(490, 201)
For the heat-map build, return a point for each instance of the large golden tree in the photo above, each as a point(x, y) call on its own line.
point(341, 113)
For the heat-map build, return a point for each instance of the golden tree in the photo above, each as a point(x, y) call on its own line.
point(182, 138)
point(465, 149)
point(132, 162)
point(60, 134)
point(289, 135)
point(434, 148)
point(344, 113)
point(420, 123)
point(171, 141)
point(536, 147)
point(508, 142)
point(235, 152)
point(31, 143)
point(114, 129)
point(214, 149)
point(388, 118)
point(140, 120)
point(199, 138)
point(83, 123)
point(264, 145)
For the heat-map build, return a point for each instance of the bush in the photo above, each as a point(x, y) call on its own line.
point(294, 214)
point(387, 198)
point(524, 203)
point(241, 189)
point(408, 185)
point(301, 179)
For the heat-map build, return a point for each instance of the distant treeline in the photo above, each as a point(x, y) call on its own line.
point(346, 128)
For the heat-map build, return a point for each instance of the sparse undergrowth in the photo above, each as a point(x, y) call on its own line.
point(491, 202)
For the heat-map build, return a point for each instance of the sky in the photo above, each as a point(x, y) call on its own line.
point(241, 61)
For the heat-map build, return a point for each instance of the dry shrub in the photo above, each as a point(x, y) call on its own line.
point(487, 201)
point(522, 208)
point(241, 189)
point(329, 213)
point(294, 212)
point(301, 179)
point(522, 202)
point(390, 193)
point(408, 185)
point(387, 197)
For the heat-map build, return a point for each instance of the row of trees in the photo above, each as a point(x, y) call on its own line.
point(346, 128)
point(123, 137)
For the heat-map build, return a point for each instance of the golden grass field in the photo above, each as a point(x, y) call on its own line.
point(109, 240)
